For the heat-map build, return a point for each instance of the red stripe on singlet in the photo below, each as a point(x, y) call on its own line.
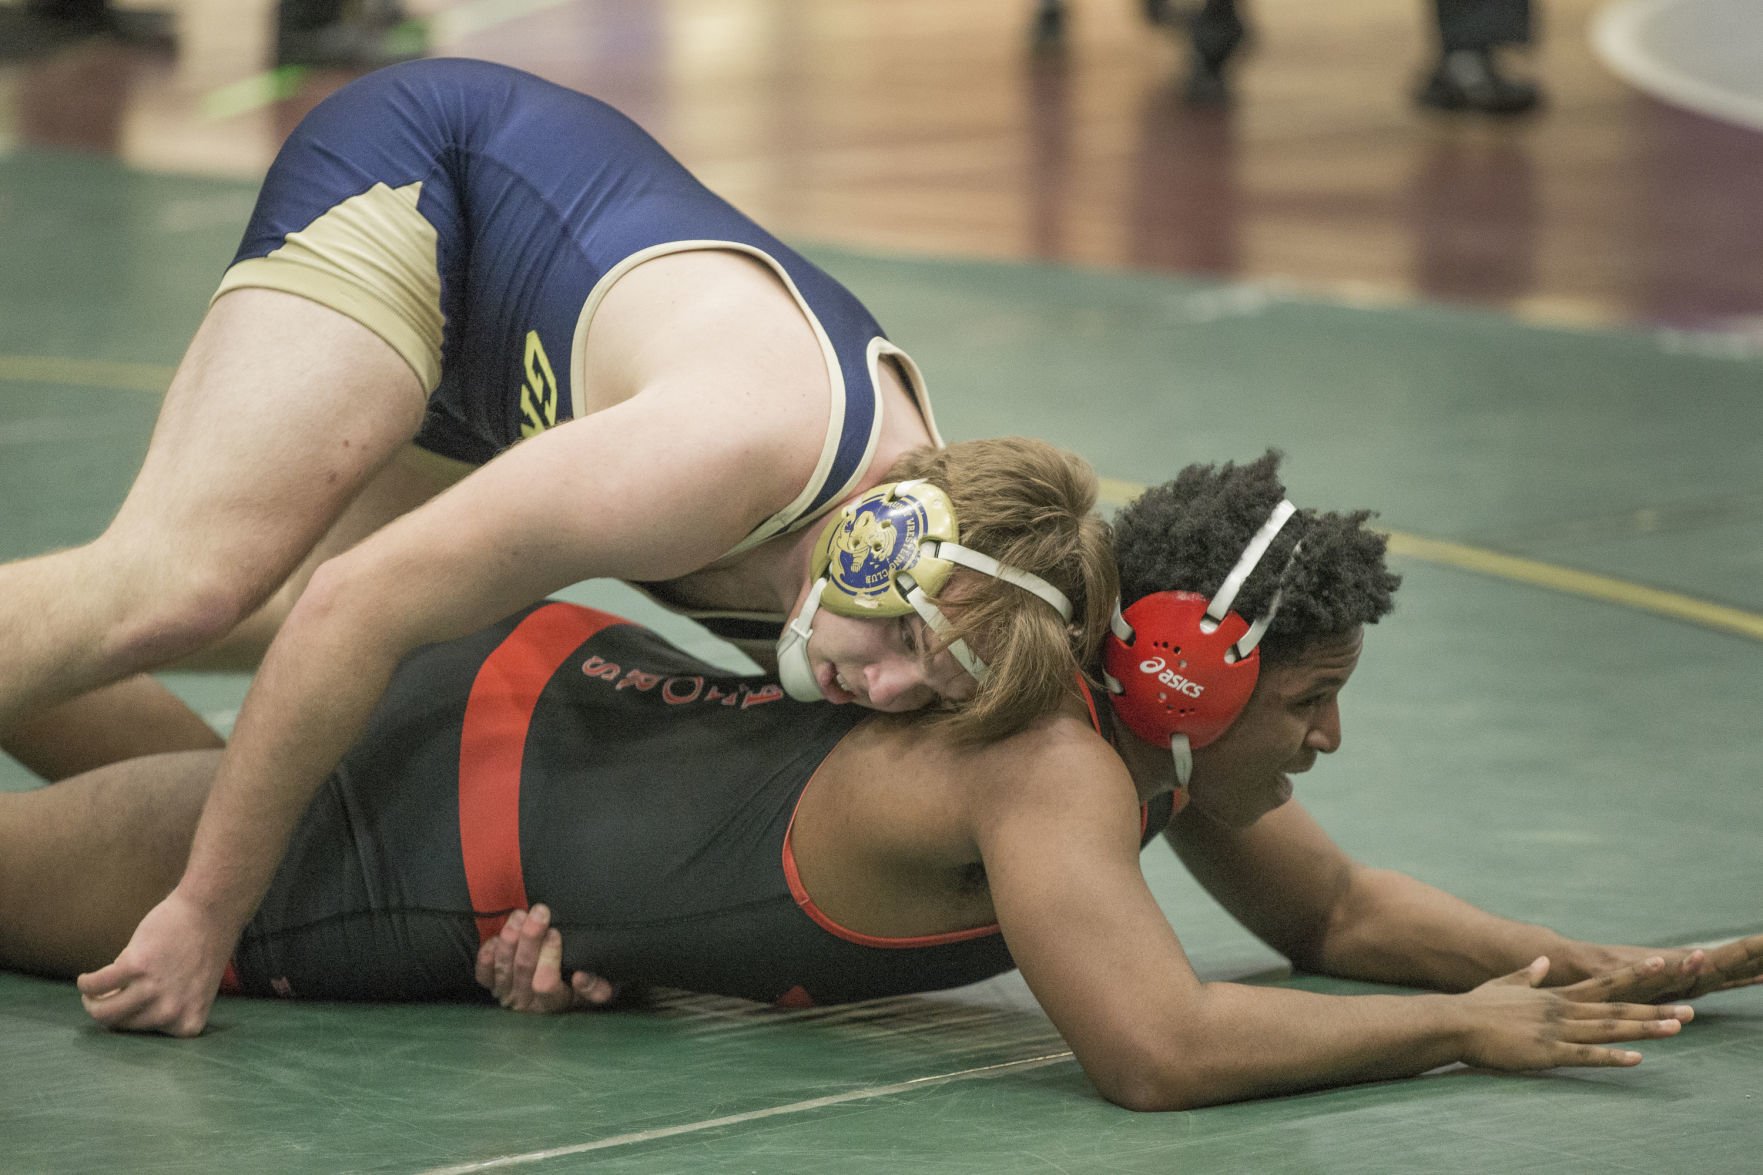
point(493, 744)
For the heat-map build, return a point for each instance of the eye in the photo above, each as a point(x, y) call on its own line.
point(909, 636)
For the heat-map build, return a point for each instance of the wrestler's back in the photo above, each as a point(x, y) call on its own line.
point(567, 758)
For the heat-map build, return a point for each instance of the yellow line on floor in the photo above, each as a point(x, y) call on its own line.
point(1579, 583)
point(85, 373)
point(151, 377)
point(1585, 584)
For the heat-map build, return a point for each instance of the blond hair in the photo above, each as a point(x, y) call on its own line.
point(1030, 505)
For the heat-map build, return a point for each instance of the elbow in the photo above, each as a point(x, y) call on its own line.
point(1306, 954)
point(1186, 1060)
point(1149, 1098)
point(1151, 1081)
point(337, 606)
point(340, 585)
point(326, 596)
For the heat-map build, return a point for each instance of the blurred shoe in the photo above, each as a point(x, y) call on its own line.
point(1047, 31)
point(1471, 80)
point(1215, 33)
point(353, 46)
point(75, 12)
point(42, 27)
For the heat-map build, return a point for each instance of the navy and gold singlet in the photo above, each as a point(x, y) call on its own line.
point(571, 758)
point(473, 216)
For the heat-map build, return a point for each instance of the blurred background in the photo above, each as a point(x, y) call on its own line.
point(1072, 132)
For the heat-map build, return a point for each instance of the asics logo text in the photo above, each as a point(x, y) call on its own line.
point(1155, 667)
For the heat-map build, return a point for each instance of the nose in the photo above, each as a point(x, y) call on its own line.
point(1325, 732)
point(895, 685)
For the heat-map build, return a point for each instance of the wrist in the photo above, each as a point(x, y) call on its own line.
point(1571, 961)
point(217, 908)
point(1454, 1026)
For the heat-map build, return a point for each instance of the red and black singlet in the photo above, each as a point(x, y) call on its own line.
point(567, 757)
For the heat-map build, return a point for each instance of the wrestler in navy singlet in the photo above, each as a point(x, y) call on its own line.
point(567, 757)
point(473, 215)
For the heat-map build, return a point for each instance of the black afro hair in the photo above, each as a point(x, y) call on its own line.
point(1186, 535)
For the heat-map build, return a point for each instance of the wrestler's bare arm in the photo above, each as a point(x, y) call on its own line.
point(1061, 853)
point(651, 488)
point(1287, 881)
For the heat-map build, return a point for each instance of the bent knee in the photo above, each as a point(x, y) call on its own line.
point(175, 625)
point(169, 610)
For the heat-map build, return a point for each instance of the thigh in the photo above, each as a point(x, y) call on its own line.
point(411, 478)
point(82, 862)
point(126, 720)
point(363, 954)
point(281, 411)
point(370, 901)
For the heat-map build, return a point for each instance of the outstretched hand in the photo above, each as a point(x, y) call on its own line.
point(522, 966)
point(1653, 976)
point(1517, 1024)
point(166, 979)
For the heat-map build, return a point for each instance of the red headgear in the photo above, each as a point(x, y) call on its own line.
point(1179, 667)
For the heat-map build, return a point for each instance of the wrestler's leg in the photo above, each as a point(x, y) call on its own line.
point(83, 861)
point(411, 478)
point(139, 716)
point(280, 412)
point(134, 717)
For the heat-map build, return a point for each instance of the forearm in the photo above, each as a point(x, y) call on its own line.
point(1289, 883)
point(1241, 1042)
point(1391, 928)
point(306, 707)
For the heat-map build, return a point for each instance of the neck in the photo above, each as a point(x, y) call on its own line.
point(788, 574)
point(903, 429)
point(1151, 767)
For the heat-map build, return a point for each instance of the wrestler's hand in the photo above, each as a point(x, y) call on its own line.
point(522, 966)
point(1516, 1024)
point(166, 979)
point(1640, 973)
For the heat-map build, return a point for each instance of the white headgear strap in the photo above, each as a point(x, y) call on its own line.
point(794, 671)
point(1219, 607)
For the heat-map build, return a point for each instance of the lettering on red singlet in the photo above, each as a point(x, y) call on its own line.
point(681, 691)
point(771, 692)
point(639, 680)
point(796, 997)
point(601, 668)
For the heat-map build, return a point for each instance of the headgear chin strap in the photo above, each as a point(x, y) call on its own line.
point(883, 556)
point(1180, 668)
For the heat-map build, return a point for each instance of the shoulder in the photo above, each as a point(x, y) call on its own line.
point(718, 317)
point(1057, 769)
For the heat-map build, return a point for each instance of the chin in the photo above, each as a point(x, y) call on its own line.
point(1245, 811)
point(1229, 815)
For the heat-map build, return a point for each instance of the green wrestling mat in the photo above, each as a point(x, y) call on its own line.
point(1590, 763)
